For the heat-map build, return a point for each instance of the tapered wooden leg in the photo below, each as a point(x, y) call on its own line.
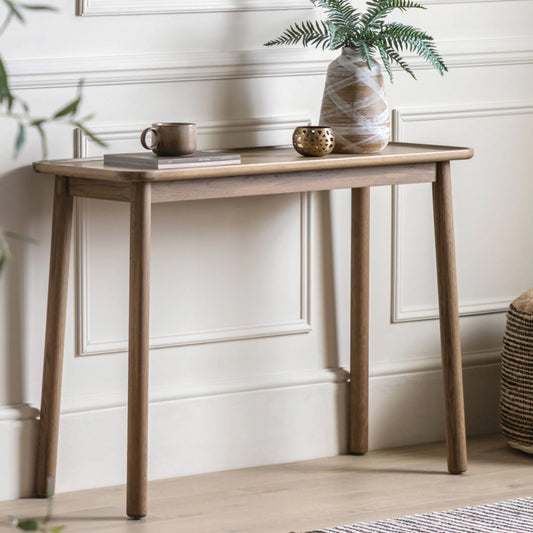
point(45, 467)
point(140, 223)
point(359, 321)
point(449, 320)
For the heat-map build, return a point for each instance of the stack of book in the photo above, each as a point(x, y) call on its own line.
point(148, 160)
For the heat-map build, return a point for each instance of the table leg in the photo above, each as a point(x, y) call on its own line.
point(359, 321)
point(46, 461)
point(140, 223)
point(449, 320)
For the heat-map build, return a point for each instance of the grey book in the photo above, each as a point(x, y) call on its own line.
point(152, 161)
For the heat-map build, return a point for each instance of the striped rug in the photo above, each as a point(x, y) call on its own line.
point(511, 516)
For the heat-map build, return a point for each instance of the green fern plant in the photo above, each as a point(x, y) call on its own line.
point(367, 33)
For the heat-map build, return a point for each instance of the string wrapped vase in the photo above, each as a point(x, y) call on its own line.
point(354, 104)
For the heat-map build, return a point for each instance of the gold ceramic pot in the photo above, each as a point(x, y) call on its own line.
point(314, 141)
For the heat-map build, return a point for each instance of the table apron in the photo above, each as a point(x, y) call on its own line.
point(255, 185)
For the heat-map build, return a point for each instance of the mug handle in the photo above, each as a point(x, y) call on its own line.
point(155, 139)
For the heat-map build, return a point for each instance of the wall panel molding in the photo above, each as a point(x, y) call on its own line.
point(89, 346)
point(150, 7)
point(18, 413)
point(399, 311)
point(258, 63)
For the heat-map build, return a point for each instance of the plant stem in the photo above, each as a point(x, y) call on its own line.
point(5, 24)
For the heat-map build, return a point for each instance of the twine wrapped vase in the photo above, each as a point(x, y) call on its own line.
point(354, 105)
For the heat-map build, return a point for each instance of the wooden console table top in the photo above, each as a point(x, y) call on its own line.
point(257, 161)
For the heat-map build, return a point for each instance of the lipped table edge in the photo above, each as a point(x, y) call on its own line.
point(257, 161)
point(258, 175)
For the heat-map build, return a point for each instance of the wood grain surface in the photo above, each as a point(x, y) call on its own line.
point(45, 467)
point(257, 161)
point(139, 319)
point(359, 320)
point(300, 496)
point(449, 320)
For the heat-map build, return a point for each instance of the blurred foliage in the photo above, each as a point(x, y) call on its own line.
point(13, 107)
point(36, 524)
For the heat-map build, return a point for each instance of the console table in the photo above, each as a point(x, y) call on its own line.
point(262, 171)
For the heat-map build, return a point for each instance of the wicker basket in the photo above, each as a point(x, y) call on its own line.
point(516, 401)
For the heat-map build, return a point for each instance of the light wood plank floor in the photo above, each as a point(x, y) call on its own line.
point(301, 496)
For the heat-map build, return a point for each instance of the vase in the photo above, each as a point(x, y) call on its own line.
point(354, 104)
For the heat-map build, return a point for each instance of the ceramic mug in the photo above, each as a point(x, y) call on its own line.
point(171, 138)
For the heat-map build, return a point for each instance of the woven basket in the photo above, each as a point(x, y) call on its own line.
point(516, 400)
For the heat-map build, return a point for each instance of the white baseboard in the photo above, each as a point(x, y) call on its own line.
point(408, 408)
point(207, 433)
point(18, 425)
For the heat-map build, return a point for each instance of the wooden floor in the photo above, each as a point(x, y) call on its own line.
point(301, 496)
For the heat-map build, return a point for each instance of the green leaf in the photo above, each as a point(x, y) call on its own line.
point(386, 61)
point(378, 10)
point(20, 140)
point(39, 7)
point(340, 12)
point(307, 32)
point(28, 524)
point(5, 93)
point(24, 105)
point(87, 118)
point(395, 56)
point(337, 36)
point(14, 10)
point(19, 237)
point(70, 109)
point(366, 54)
point(56, 529)
point(90, 134)
point(5, 254)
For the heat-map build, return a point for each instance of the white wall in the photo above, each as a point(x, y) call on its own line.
point(250, 296)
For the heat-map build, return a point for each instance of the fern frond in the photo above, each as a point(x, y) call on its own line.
point(378, 10)
point(401, 37)
point(338, 37)
point(366, 33)
point(367, 54)
point(386, 62)
point(340, 12)
point(364, 43)
point(403, 34)
point(308, 32)
point(394, 56)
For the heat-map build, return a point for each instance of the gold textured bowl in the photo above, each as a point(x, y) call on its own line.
point(313, 140)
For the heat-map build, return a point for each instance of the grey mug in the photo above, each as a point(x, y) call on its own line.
point(171, 138)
